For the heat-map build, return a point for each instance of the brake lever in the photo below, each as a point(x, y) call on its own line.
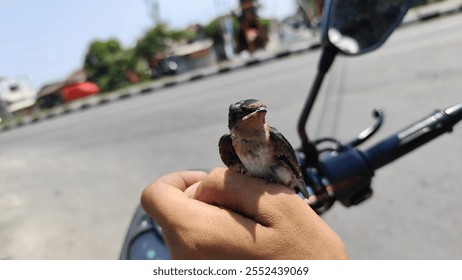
point(370, 131)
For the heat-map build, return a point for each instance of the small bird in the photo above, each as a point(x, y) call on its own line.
point(254, 148)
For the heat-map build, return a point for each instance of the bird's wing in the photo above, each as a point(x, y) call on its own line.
point(287, 155)
point(228, 154)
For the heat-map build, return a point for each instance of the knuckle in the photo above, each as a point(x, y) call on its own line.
point(217, 171)
point(146, 195)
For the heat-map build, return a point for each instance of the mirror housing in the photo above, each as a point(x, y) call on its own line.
point(355, 27)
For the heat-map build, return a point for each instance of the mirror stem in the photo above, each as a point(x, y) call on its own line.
point(308, 148)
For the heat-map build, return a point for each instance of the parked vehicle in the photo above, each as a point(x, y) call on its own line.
point(341, 172)
point(52, 95)
point(78, 90)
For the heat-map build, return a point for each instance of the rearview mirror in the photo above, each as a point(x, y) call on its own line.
point(359, 26)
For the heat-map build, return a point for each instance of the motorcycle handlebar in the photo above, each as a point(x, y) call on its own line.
point(350, 183)
point(413, 136)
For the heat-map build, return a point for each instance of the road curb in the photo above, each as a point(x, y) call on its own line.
point(415, 15)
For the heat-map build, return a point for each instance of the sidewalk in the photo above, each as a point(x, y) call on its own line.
point(301, 41)
point(422, 13)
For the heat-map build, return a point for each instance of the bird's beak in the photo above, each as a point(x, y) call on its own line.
point(259, 110)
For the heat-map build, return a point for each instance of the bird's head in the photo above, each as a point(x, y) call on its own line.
point(246, 111)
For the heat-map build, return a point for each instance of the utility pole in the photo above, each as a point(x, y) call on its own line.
point(153, 8)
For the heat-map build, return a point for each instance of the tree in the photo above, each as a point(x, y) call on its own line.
point(111, 66)
point(156, 41)
point(213, 28)
point(107, 64)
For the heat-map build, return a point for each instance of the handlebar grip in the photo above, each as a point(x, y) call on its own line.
point(413, 137)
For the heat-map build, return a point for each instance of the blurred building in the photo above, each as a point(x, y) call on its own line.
point(310, 11)
point(16, 94)
point(191, 56)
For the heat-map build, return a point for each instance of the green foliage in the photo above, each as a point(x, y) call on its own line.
point(156, 40)
point(106, 64)
point(213, 29)
point(266, 23)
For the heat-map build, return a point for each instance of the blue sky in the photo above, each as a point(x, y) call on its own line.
point(46, 40)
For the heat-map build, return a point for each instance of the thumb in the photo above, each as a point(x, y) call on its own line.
point(251, 197)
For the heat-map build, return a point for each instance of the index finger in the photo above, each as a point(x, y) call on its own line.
point(165, 199)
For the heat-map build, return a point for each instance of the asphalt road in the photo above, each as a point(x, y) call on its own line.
point(69, 185)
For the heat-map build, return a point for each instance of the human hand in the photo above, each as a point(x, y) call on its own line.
point(227, 215)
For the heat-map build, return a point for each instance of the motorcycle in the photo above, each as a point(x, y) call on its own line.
point(341, 172)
